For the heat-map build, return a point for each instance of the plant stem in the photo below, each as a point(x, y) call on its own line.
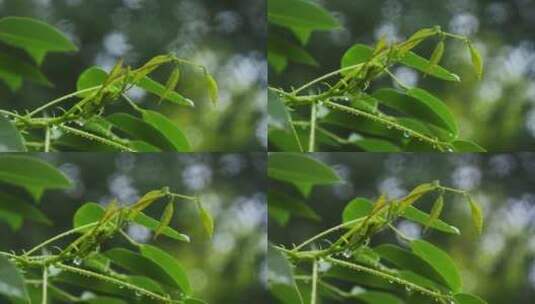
point(96, 138)
point(388, 277)
point(45, 285)
point(47, 139)
point(59, 236)
point(63, 98)
point(313, 295)
point(326, 76)
point(326, 232)
point(182, 196)
point(389, 123)
point(312, 138)
point(99, 276)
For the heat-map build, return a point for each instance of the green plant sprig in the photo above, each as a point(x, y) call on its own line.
point(93, 234)
point(344, 251)
point(94, 100)
point(356, 79)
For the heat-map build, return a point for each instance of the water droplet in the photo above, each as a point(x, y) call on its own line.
point(138, 293)
point(77, 261)
point(406, 134)
point(347, 253)
point(390, 281)
point(449, 149)
point(324, 266)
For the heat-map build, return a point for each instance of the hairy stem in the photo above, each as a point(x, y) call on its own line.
point(388, 277)
point(59, 236)
point(45, 285)
point(312, 138)
point(313, 295)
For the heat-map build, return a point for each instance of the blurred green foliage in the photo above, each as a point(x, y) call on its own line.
point(227, 37)
point(499, 265)
point(504, 97)
point(225, 269)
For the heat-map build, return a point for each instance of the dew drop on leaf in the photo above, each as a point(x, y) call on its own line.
point(77, 261)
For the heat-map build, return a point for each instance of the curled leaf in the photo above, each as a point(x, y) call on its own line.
point(147, 199)
point(171, 83)
point(477, 214)
point(435, 211)
point(213, 89)
point(415, 195)
point(417, 38)
point(477, 61)
point(165, 219)
point(436, 56)
point(206, 220)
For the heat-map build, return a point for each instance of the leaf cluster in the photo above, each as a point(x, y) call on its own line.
point(88, 269)
point(87, 124)
point(340, 264)
point(343, 110)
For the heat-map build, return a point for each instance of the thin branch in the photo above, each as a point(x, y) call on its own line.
point(388, 277)
point(61, 99)
point(326, 232)
point(59, 236)
point(45, 285)
point(115, 281)
point(96, 138)
point(312, 138)
point(313, 295)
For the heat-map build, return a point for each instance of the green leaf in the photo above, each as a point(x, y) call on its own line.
point(356, 208)
point(375, 145)
point(13, 82)
point(277, 61)
point(169, 264)
point(168, 129)
point(467, 146)
point(464, 298)
point(420, 104)
point(87, 214)
point(15, 205)
point(10, 138)
point(11, 281)
point(477, 61)
point(206, 220)
point(300, 14)
point(278, 114)
point(290, 51)
point(423, 65)
point(292, 167)
point(31, 173)
point(281, 278)
point(91, 77)
point(477, 214)
point(14, 221)
point(437, 54)
point(213, 89)
point(416, 194)
point(14, 69)
point(406, 260)
point(171, 83)
point(357, 54)
point(418, 216)
point(279, 214)
point(34, 36)
point(440, 261)
point(417, 38)
point(139, 129)
point(292, 205)
point(139, 264)
point(165, 219)
point(153, 224)
point(158, 89)
point(377, 297)
point(436, 210)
